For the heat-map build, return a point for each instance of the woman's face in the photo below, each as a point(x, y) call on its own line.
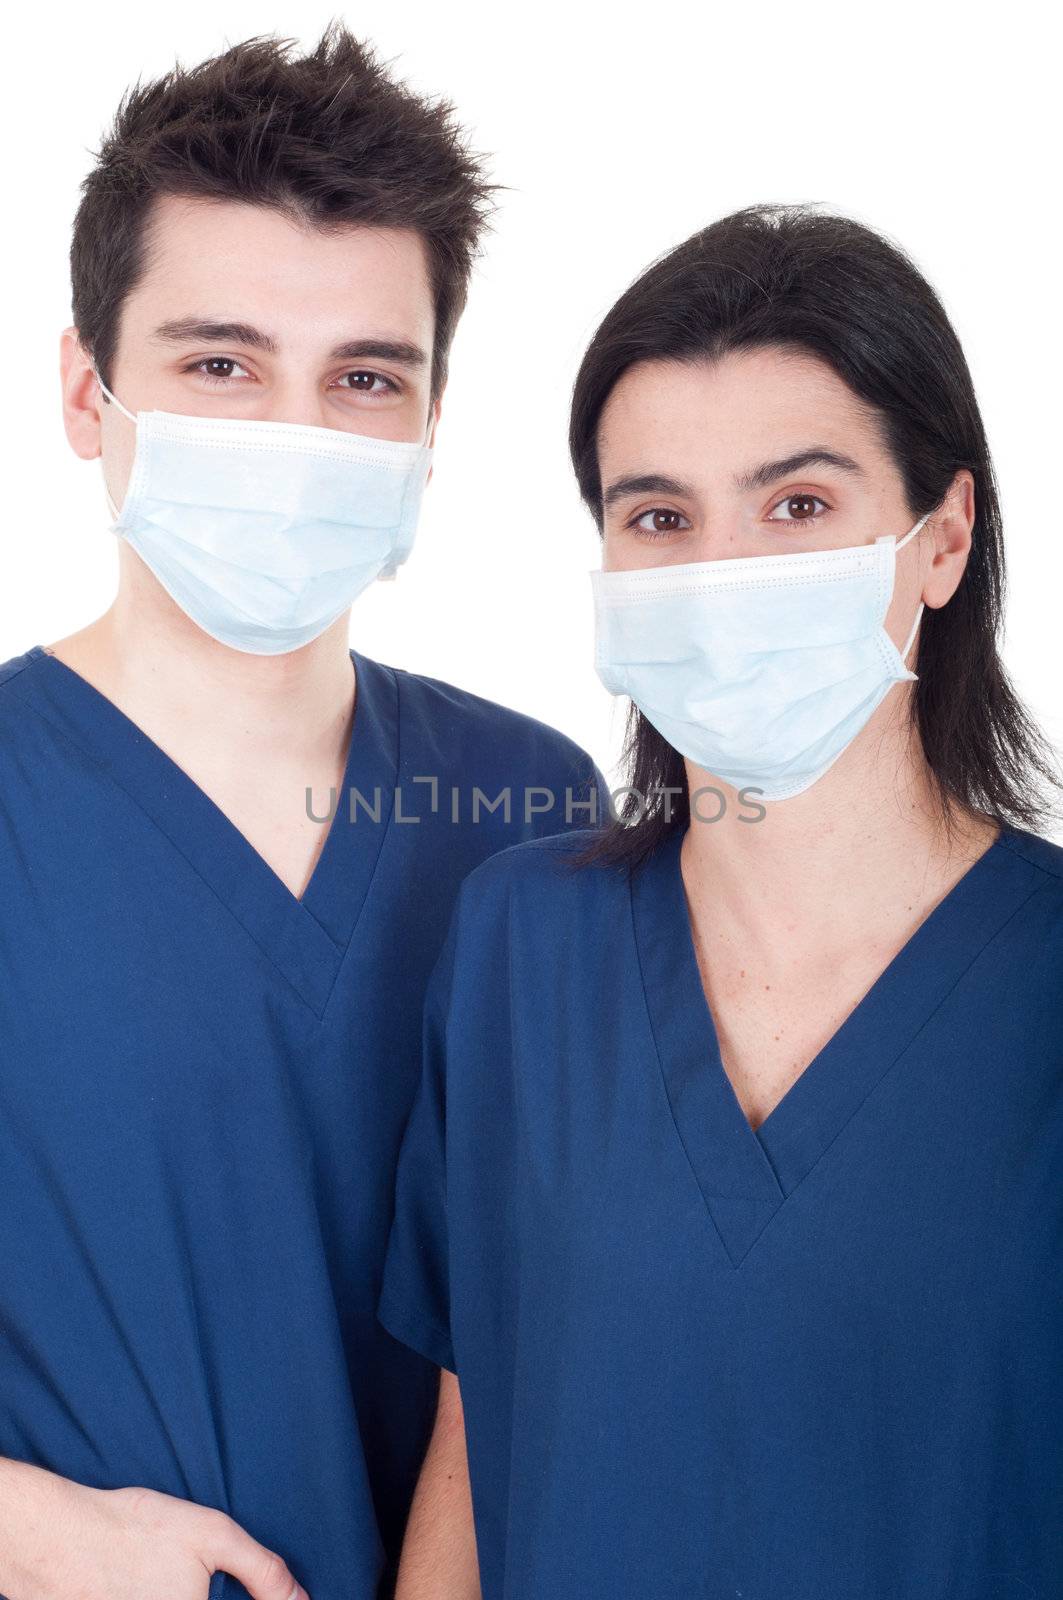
point(764, 452)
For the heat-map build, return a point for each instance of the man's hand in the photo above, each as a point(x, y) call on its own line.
point(61, 1540)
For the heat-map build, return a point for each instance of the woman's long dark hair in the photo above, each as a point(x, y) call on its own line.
point(791, 276)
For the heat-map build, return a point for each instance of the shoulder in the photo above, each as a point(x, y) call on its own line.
point(451, 716)
point(1041, 854)
point(35, 756)
point(10, 669)
point(14, 674)
point(1035, 933)
point(518, 912)
point(546, 881)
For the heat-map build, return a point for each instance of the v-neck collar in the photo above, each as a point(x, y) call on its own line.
point(745, 1176)
point(306, 938)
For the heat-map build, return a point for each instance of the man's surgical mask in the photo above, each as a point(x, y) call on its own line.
point(265, 532)
point(762, 669)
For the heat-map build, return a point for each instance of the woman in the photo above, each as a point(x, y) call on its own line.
point(732, 1195)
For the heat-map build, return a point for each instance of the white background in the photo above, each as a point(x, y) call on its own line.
point(619, 131)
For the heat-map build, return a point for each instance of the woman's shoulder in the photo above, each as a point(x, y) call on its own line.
point(546, 863)
point(546, 879)
point(1041, 853)
point(1036, 930)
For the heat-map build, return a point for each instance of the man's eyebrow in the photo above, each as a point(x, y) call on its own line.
point(756, 478)
point(186, 329)
point(400, 350)
point(210, 331)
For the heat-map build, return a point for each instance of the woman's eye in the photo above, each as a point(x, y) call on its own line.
point(798, 508)
point(659, 522)
point(364, 383)
point(217, 369)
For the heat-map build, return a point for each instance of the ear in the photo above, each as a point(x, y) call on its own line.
point(951, 526)
point(81, 396)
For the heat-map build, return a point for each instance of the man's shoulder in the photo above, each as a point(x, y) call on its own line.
point(10, 669)
point(476, 713)
point(482, 738)
point(16, 673)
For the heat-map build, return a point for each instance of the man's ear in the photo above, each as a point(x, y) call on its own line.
point(81, 396)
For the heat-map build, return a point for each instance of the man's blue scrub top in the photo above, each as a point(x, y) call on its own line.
point(822, 1361)
point(203, 1085)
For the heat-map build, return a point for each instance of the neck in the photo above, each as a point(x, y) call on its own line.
point(825, 865)
point(182, 687)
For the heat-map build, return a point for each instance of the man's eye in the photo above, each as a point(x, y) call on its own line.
point(658, 522)
point(218, 369)
point(365, 382)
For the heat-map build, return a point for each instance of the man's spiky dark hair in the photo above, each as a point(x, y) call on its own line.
point(328, 137)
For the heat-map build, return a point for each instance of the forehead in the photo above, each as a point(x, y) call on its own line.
point(254, 264)
point(745, 407)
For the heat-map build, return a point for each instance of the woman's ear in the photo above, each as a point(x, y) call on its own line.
point(951, 526)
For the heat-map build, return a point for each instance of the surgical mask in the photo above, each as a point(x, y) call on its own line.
point(265, 532)
point(761, 670)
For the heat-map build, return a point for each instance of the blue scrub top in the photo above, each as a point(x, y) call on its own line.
point(203, 1085)
point(820, 1361)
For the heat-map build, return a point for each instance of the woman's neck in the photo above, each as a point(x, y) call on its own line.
point(864, 847)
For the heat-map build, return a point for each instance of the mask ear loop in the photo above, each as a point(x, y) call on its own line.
point(922, 604)
point(900, 544)
point(112, 508)
point(113, 397)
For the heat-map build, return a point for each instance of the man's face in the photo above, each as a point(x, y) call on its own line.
point(242, 312)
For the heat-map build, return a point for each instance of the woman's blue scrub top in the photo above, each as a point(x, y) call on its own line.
point(820, 1361)
point(203, 1085)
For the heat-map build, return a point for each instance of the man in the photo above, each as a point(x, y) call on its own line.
point(210, 1007)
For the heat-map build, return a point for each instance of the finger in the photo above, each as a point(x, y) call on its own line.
point(262, 1572)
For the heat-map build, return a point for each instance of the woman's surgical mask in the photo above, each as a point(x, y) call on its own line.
point(760, 670)
point(265, 532)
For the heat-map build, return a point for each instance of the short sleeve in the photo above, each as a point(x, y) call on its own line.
point(414, 1303)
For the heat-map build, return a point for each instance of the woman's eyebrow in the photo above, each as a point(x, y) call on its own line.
point(211, 331)
point(756, 478)
point(643, 483)
point(814, 456)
